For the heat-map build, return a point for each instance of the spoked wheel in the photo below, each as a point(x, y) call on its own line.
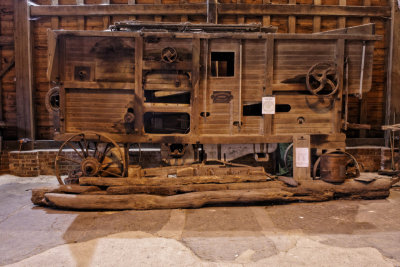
point(92, 155)
point(322, 79)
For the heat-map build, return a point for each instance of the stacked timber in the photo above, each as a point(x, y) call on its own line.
point(167, 192)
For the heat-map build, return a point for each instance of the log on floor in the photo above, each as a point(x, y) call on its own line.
point(103, 181)
point(308, 191)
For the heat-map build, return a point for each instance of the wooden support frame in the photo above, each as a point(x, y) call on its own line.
point(211, 9)
point(23, 71)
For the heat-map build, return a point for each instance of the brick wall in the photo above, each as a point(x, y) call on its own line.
point(24, 164)
point(39, 162)
point(4, 162)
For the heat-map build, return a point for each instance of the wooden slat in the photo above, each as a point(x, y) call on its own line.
point(6, 41)
point(317, 19)
point(132, 2)
point(55, 21)
point(266, 20)
point(342, 20)
point(23, 70)
point(201, 9)
point(195, 114)
point(111, 10)
point(212, 11)
point(302, 10)
point(139, 84)
point(292, 19)
point(269, 74)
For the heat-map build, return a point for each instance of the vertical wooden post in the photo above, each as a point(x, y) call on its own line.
point(301, 157)
point(157, 18)
point(23, 70)
point(337, 119)
point(266, 20)
point(184, 18)
point(195, 85)
point(317, 19)
point(393, 69)
point(240, 18)
point(81, 19)
point(364, 100)
point(139, 84)
point(292, 19)
point(55, 21)
point(341, 19)
point(269, 68)
point(212, 11)
point(106, 19)
point(132, 2)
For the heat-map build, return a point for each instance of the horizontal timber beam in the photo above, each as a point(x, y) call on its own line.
point(109, 10)
point(6, 41)
point(304, 10)
point(201, 9)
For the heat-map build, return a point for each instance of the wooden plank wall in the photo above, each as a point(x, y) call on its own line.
point(8, 105)
point(373, 103)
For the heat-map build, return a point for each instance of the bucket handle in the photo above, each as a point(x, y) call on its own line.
point(332, 152)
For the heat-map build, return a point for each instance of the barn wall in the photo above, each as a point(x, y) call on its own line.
point(8, 95)
point(370, 110)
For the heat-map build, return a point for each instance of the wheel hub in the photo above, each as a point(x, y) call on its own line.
point(90, 166)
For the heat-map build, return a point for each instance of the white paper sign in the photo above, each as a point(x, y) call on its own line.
point(268, 105)
point(302, 157)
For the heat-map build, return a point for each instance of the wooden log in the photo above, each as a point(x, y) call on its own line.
point(308, 191)
point(100, 181)
point(190, 200)
point(306, 187)
point(38, 193)
point(168, 190)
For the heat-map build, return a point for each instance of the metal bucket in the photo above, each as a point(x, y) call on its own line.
point(333, 168)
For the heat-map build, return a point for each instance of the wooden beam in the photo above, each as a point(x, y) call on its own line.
point(6, 41)
point(268, 76)
point(195, 114)
point(266, 20)
point(212, 11)
point(139, 84)
point(342, 20)
point(303, 10)
point(157, 18)
point(23, 70)
point(81, 19)
point(111, 10)
point(392, 88)
point(292, 19)
point(132, 2)
point(317, 19)
point(55, 21)
point(106, 19)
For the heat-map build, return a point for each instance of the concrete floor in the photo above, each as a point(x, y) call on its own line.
point(336, 233)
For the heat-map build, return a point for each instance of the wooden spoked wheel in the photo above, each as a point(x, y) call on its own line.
point(322, 79)
point(94, 154)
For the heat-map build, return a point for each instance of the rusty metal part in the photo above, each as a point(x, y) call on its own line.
point(94, 154)
point(90, 166)
point(322, 79)
point(333, 168)
point(52, 99)
point(169, 55)
point(335, 161)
